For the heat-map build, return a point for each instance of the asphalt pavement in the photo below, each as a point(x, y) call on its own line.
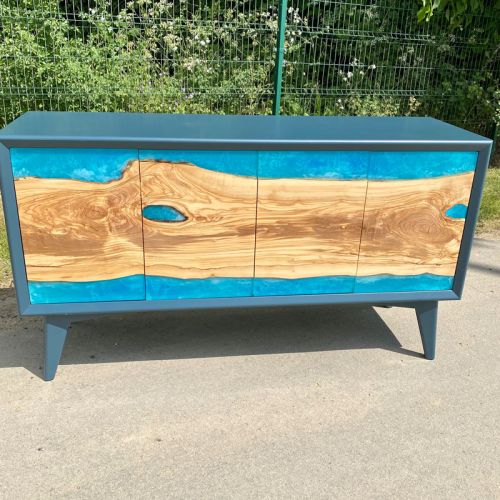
point(318, 402)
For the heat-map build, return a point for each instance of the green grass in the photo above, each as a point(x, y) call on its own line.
point(489, 215)
point(489, 221)
point(5, 273)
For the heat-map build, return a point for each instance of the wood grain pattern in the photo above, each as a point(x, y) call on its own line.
point(81, 231)
point(308, 227)
point(218, 237)
point(405, 229)
point(85, 231)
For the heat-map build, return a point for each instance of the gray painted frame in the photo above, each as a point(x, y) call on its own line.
point(11, 215)
point(386, 145)
point(483, 147)
point(471, 219)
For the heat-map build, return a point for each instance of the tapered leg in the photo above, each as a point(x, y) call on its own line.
point(427, 322)
point(56, 329)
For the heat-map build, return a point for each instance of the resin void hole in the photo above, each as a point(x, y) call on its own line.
point(163, 213)
point(458, 211)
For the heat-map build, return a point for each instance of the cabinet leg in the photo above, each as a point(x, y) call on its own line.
point(427, 322)
point(56, 329)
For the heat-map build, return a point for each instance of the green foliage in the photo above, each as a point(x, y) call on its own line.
point(374, 61)
point(489, 215)
point(147, 56)
point(460, 12)
point(217, 56)
point(5, 273)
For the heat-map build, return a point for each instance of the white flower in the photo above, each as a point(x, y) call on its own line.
point(361, 72)
point(372, 66)
point(349, 74)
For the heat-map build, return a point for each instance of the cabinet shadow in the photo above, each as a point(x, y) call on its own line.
point(198, 334)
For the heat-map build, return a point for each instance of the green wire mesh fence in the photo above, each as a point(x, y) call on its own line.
point(374, 58)
point(223, 56)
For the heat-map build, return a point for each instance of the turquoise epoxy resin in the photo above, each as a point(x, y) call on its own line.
point(350, 284)
point(229, 162)
point(90, 165)
point(391, 283)
point(303, 286)
point(163, 213)
point(164, 288)
point(458, 211)
point(394, 165)
point(127, 288)
point(346, 165)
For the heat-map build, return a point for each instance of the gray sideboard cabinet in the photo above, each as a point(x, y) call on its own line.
point(121, 212)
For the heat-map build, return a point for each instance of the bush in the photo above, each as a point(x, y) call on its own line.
point(218, 56)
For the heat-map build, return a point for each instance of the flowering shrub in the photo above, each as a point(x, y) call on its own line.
point(218, 56)
point(146, 56)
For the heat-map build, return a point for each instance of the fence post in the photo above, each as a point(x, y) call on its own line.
point(280, 52)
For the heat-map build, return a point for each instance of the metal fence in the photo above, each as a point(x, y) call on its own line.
point(244, 56)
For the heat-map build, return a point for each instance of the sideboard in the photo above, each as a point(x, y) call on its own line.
point(123, 212)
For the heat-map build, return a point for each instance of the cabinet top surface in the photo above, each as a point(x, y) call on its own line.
point(227, 130)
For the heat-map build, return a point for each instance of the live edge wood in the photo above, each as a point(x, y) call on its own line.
point(405, 227)
point(81, 231)
point(218, 237)
point(308, 227)
point(84, 231)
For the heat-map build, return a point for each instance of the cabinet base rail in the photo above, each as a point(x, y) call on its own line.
point(56, 331)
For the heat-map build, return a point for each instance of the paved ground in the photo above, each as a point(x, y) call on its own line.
point(330, 402)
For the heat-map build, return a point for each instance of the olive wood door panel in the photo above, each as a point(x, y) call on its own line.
point(81, 225)
point(414, 219)
point(309, 218)
point(199, 222)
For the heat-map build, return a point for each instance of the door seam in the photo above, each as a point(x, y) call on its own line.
point(142, 227)
point(256, 221)
point(362, 222)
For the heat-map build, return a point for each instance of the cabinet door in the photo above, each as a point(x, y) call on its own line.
point(309, 217)
point(414, 219)
point(81, 225)
point(199, 222)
